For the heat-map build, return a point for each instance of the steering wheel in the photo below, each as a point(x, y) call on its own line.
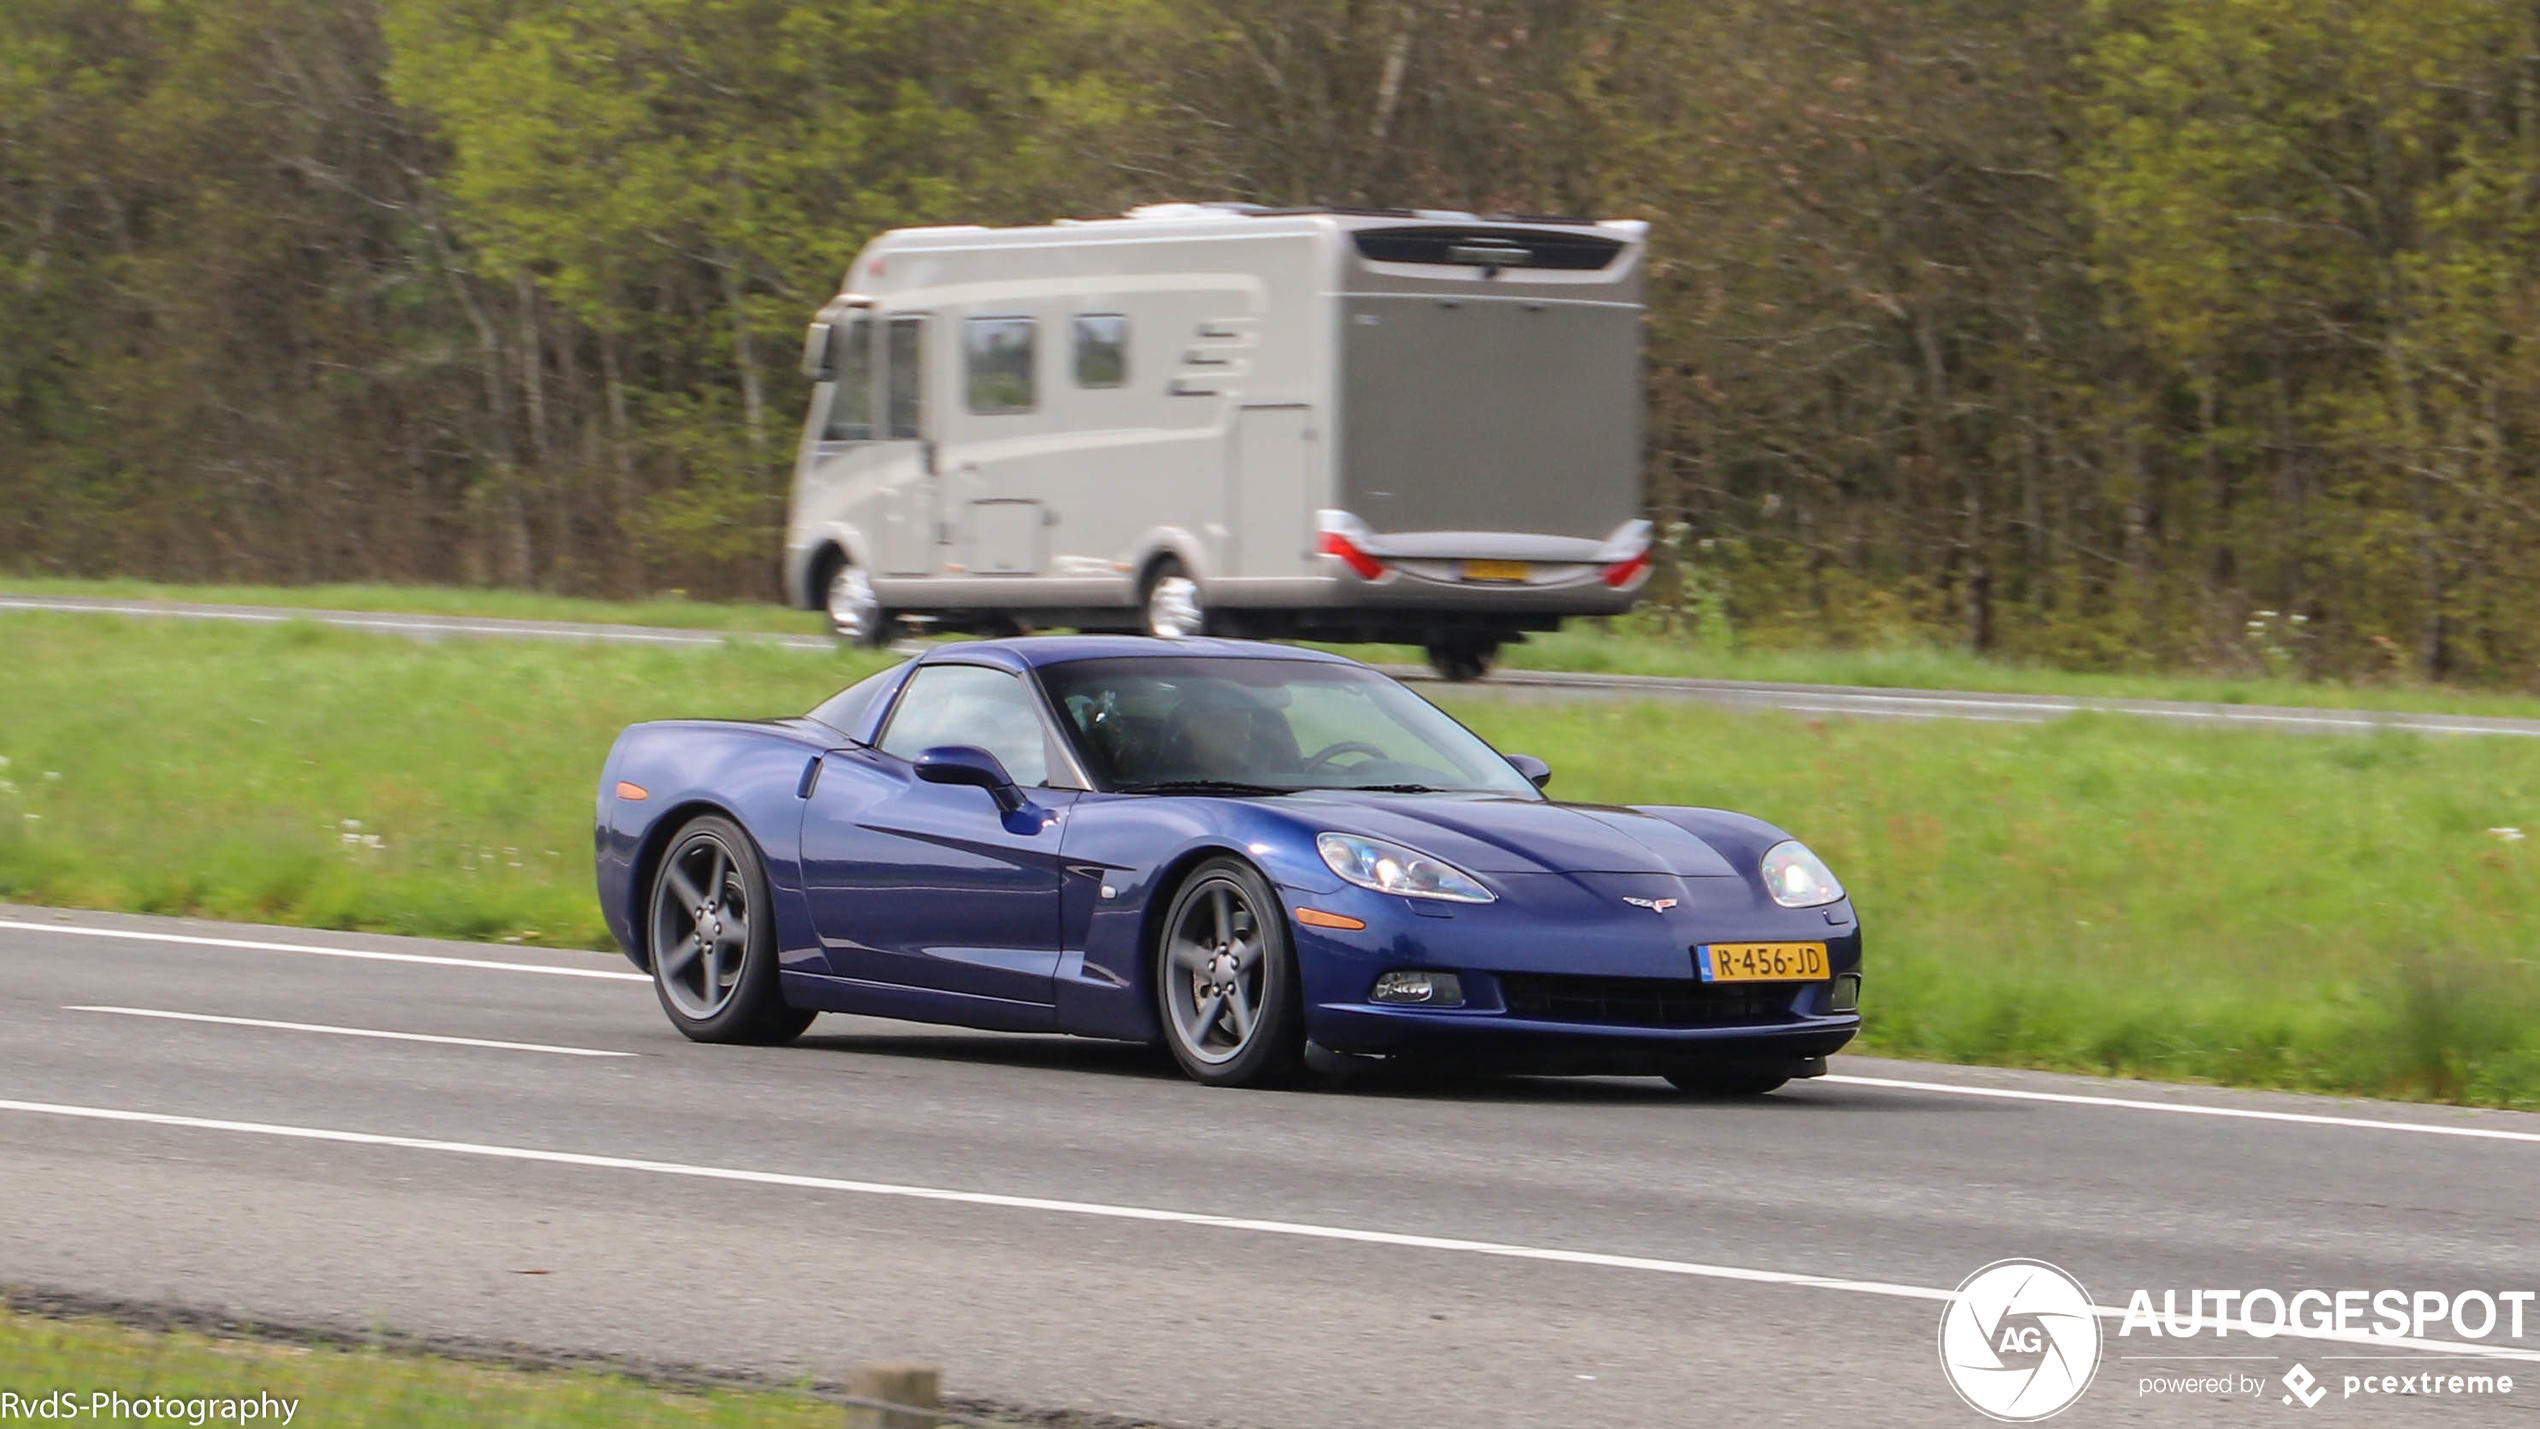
point(1330, 752)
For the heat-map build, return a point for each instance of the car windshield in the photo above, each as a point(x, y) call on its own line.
point(1202, 724)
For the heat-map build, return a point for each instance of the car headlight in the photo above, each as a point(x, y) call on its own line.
point(1797, 878)
point(1391, 868)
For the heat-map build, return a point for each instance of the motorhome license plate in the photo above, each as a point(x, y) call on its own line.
point(1497, 570)
point(1761, 962)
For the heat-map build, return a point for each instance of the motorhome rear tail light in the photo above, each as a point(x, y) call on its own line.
point(1628, 572)
point(1367, 566)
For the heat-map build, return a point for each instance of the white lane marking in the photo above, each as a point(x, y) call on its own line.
point(2298, 1118)
point(333, 1031)
point(1303, 1230)
point(9, 925)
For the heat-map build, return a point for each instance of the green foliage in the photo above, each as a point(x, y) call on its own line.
point(2080, 332)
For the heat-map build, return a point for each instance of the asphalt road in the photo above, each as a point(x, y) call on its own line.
point(188, 1118)
point(1846, 700)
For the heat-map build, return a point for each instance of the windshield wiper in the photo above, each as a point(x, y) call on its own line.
point(1202, 786)
point(1392, 789)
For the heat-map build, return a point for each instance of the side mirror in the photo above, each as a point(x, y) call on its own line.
point(819, 363)
point(1536, 771)
point(971, 765)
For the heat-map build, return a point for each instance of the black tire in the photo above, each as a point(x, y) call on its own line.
point(1270, 1051)
point(1460, 659)
point(1728, 1081)
point(709, 870)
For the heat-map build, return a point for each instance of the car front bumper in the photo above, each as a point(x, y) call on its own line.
point(1512, 1043)
point(1563, 975)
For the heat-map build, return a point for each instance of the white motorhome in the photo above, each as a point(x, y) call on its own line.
point(1414, 427)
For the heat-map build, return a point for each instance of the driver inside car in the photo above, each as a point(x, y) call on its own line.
point(1221, 733)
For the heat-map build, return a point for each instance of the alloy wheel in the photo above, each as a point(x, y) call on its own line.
point(700, 926)
point(1216, 979)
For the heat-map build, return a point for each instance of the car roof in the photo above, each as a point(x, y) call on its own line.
point(1034, 651)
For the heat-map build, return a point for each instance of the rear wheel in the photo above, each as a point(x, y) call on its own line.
point(713, 938)
point(1459, 658)
point(1226, 981)
point(1174, 610)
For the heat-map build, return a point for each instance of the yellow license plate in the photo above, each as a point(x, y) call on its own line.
point(1498, 570)
point(1761, 962)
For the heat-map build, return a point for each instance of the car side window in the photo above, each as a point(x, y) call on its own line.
point(970, 704)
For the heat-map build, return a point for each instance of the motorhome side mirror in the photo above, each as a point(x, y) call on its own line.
point(971, 765)
point(818, 359)
point(1536, 771)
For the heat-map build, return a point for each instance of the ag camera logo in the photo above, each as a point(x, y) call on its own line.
point(2019, 1341)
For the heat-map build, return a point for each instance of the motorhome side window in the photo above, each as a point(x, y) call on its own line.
point(905, 384)
point(1102, 350)
point(851, 406)
point(1000, 359)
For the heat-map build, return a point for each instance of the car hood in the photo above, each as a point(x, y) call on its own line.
point(1496, 835)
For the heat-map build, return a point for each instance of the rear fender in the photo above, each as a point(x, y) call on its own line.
point(753, 774)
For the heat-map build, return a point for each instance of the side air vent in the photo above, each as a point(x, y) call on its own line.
point(1486, 247)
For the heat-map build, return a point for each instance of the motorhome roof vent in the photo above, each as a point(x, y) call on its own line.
point(1486, 247)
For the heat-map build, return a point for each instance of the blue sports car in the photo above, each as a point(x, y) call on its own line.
point(1264, 858)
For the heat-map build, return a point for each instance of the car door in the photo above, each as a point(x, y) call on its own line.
point(935, 886)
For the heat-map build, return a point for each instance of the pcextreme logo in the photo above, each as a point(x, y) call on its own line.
point(2019, 1341)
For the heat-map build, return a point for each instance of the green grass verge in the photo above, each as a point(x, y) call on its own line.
point(1627, 646)
point(2101, 893)
point(353, 1388)
point(303, 774)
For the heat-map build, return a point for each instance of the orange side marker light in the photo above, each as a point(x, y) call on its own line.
point(1317, 918)
point(635, 792)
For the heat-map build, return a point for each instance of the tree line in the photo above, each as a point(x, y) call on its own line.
point(2107, 332)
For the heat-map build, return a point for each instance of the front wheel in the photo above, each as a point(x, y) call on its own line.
point(712, 934)
point(1226, 980)
point(855, 613)
point(1174, 607)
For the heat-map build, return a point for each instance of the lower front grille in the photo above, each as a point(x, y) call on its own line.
point(1644, 1001)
